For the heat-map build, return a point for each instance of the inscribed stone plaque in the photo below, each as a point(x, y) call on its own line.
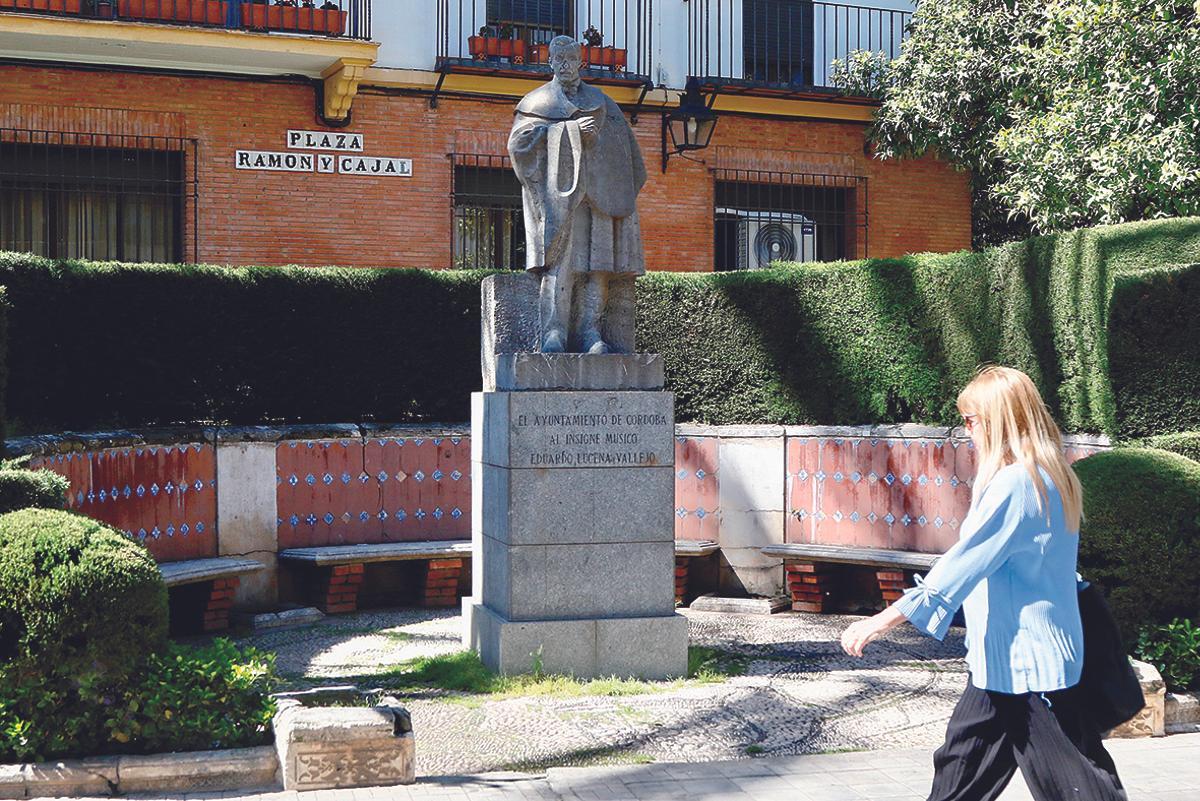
point(580, 429)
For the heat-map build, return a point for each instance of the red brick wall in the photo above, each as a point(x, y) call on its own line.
point(252, 217)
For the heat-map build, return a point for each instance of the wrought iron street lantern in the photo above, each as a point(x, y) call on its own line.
point(690, 126)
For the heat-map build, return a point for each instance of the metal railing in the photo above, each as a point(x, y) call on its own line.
point(788, 44)
point(348, 18)
point(514, 35)
point(98, 196)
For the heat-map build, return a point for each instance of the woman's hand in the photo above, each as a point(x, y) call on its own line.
point(861, 633)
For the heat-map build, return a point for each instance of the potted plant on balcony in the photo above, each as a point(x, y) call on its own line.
point(596, 54)
point(295, 16)
point(500, 43)
point(206, 12)
point(61, 6)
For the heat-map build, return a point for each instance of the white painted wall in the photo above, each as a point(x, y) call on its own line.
point(407, 31)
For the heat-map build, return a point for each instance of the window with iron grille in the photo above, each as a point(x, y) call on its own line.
point(761, 217)
point(531, 20)
point(97, 196)
point(488, 224)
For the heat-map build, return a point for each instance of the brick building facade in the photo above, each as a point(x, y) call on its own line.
point(791, 160)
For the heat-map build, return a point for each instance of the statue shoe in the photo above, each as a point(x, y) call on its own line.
point(594, 344)
point(554, 342)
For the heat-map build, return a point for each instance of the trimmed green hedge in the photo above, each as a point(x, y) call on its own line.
point(25, 489)
point(1186, 443)
point(1140, 537)
point(99, 345)
point(885, 340)
point(893, 340)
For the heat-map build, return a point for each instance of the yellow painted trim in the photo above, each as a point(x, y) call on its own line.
point(516, 87)
point(151, 33)
point(341, 85)
point(789, 107)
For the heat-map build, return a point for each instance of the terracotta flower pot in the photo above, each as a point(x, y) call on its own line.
point(208, 12)
point(294, 19)
point(485, 47)
point(61, 6)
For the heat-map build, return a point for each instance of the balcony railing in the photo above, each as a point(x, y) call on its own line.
point(348, 18)
point(514, 35)
point(785, 44)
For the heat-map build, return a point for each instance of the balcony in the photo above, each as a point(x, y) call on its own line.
point(324, 40)
point(511, 37)
point(785, 47)
point(333, 18)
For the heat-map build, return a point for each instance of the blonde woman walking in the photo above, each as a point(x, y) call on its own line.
point(1013, 573)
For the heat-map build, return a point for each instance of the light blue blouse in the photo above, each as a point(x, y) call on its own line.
point(1013, 573)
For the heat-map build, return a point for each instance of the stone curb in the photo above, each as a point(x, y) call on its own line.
point(1182, 712)
point(233, 769)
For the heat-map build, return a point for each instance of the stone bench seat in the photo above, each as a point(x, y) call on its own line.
point(687, 548)
point(208, 605)
point(193, 571)
point(331, 555)
point(850, 555)
point(341, 569)
point(809, 579)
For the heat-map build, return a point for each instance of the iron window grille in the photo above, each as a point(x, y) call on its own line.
point(101, 197)
point(761, 217)
point(487, 222)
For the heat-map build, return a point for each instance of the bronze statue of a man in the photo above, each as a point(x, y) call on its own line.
point(580, 170)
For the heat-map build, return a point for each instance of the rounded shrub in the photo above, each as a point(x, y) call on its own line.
point(1140, 538)
point(77, 598)
point(24, 489)
point(1186, 443)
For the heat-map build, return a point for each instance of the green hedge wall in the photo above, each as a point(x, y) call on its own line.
point(893, 340)
point(98, 345)
point(1086, 313)
point(1185, 443)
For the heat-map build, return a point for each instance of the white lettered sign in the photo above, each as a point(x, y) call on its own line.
point(372, 165)
point(325, 140)
point(274, 161)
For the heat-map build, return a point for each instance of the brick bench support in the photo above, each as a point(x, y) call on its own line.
point(441, 582)
point(220, 601)
point(340, 568)
point(808, 571)
point(810, 585)
point(685, 551)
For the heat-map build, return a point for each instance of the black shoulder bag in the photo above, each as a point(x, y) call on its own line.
point(1109, 682)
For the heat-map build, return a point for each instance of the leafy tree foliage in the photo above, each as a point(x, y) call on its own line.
point(1067, 112)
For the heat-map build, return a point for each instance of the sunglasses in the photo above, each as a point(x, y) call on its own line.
point(969, 420)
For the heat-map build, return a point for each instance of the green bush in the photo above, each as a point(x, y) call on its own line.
point(893, 340)
point(191, 699)
point(77, 597)
point(1175, 650)
point(882, 340)
point(180, 699)
point(25, 489)
point(1140, 538)
point(1186, 444)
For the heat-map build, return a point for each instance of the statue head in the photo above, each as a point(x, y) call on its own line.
point(566, 58)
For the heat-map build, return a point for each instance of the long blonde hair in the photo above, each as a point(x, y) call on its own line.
point(1017, 428)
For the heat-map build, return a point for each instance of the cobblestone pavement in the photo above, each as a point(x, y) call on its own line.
point(1153, 770)
point(800, 695)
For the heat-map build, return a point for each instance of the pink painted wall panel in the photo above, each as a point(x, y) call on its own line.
point(904, 494)
point(395, 489)
point(697, 488)
point(163, 496)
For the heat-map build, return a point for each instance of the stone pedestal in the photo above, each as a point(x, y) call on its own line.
point(573, 538)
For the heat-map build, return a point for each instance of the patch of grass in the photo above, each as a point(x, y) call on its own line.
point(463, 672)
point(754, 750)
point(712, 665)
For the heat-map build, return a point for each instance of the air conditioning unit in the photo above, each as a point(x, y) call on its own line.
point(764, 237)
